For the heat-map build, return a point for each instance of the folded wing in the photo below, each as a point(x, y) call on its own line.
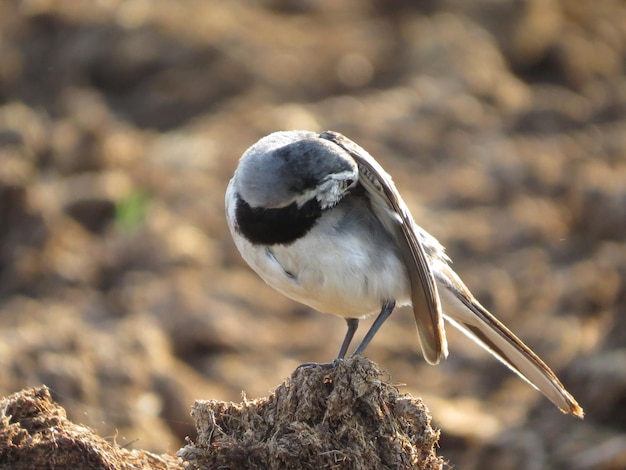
point(395, 216)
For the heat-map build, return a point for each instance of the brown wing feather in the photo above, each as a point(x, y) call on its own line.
point(395, 215)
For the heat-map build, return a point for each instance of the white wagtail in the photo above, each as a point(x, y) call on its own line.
point(320, 221)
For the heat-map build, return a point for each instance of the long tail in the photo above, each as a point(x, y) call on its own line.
point(465, 312)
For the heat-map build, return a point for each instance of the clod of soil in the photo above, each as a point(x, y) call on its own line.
point(341, 416)
point(35, 433)
point(322, 417)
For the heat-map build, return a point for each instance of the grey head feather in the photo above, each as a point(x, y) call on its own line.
point(294, 166)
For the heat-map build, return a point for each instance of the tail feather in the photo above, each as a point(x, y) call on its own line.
point(465, 312)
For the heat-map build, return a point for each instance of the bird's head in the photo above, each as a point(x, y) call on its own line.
point(294, 167)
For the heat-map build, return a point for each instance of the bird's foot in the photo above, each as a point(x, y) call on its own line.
point(323, 365)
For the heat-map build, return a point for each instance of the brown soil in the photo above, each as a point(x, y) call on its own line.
point(502, 123)
point(342, 416)
point(35, 433)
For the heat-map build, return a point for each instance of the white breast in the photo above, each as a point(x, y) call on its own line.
point(347, 264)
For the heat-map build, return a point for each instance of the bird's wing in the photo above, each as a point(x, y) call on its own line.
point(468, 315)
point(395, 216)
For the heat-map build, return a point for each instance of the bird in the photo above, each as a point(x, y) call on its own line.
point(320, 221)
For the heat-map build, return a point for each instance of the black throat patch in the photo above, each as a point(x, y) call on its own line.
point(276, 226)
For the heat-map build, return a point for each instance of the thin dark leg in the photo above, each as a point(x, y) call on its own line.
point(353, 324)
point(380, 319)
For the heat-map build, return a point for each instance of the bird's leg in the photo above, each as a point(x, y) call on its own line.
point(353, 324)
point(380, 319)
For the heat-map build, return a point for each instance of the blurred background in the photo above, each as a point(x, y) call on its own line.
point(503, 124)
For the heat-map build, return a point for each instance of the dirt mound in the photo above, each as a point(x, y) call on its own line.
point(35, 433)
point(322, 417)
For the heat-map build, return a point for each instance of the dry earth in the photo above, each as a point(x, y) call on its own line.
point(503, 124)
